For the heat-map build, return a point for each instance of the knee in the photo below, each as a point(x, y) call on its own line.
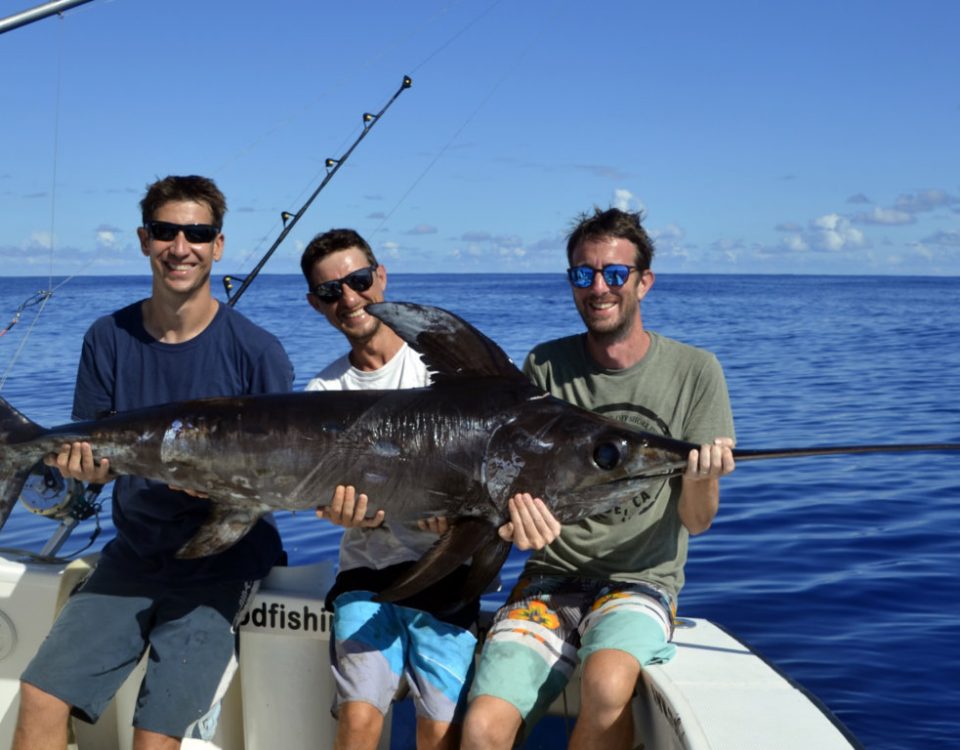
point(39, 705)
point(608, 682)
point(490, 723)
point(358, 720)
point(33, 697)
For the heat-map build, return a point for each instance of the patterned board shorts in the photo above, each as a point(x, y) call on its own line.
point(550, 623)
point(377, 646)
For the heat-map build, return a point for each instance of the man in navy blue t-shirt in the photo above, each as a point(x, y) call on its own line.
point(178, 344)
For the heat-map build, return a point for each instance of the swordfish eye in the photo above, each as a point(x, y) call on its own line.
point(607, 455)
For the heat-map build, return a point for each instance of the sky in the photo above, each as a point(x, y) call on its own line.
point(756, 137)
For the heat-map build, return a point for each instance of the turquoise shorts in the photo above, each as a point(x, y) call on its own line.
point(551, 623)
point(377, 645)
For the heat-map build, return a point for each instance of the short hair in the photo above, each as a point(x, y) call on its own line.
point(332, 241)
point(613, 222)
point(184, 188)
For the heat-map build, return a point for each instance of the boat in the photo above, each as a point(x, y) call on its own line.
point(717, 692)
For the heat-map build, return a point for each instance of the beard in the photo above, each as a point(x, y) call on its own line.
point(608, 330)
point(366, 335)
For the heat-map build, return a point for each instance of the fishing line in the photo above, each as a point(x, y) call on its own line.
point(43, 296)
point(343, 81)
point(453, 138)
point(333, 166)
point(57, 98)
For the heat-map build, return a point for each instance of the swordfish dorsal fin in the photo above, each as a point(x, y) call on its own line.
point(449, 346)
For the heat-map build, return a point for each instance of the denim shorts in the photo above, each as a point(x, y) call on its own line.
point(105, 628)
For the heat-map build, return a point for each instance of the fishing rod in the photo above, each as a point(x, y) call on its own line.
point(289, 219)
point(37, 13)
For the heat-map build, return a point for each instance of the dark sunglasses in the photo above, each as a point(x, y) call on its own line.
point(195, 234)
point(613, 275)
point(359, 281)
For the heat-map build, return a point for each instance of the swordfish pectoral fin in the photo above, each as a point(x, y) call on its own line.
point(483, 569)
point(225, 526)
point(464, 537)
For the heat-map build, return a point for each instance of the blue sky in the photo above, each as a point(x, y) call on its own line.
point(758, 137)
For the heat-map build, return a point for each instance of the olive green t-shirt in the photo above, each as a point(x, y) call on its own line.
point(676, 390)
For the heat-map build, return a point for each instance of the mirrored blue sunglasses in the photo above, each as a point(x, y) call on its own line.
point(614, 275)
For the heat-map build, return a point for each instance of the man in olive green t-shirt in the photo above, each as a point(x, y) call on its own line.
point(604, 592)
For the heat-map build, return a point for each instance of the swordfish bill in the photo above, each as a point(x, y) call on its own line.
point(459, 449)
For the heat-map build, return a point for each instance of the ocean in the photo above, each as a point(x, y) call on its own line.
point(841, 570)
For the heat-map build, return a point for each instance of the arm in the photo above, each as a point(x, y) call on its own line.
point(700, 495)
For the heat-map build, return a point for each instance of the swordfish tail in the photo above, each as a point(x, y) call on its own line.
point(17, 456)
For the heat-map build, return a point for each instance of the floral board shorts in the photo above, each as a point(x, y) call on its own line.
point(551, 623)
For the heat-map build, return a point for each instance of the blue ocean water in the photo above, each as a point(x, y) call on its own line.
point(841, 570)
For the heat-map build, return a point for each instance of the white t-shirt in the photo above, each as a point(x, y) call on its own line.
point(388, 544)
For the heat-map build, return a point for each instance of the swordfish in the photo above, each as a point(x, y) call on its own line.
point(459, 449)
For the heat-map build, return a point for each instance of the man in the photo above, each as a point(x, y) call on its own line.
point(180, 343)
point(605, 591)
point(376, 645)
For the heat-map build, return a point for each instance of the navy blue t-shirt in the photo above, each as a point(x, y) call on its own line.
point(122, 367)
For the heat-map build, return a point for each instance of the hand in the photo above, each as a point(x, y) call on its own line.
point(349, 510)
point(531, 524)
point(75, 461)
point(711, 461)
point(437, 524)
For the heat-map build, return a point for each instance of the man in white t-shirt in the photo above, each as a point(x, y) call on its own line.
point(379, 645)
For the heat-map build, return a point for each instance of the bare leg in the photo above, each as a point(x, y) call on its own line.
point(359, 726)
point(491, 724)
point(437, 735)
point(144, 739)
point(606, 688)
point(42, 721)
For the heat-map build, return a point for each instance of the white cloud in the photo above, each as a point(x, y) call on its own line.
point(924, 200)
point(107, 238)
point(627, 201)
point(795, 243)
point(834, 233)
point(390, 249)
point(889, 216)
point(41, 239)
point(944, 239)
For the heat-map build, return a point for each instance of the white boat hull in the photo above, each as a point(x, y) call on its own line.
point(715, 694)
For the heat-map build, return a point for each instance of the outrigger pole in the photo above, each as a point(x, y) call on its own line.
point(289, 220)
point(37, 13)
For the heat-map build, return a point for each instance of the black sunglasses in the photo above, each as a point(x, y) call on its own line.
point(195, 234)
point(614, 275)
point(359, 281)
